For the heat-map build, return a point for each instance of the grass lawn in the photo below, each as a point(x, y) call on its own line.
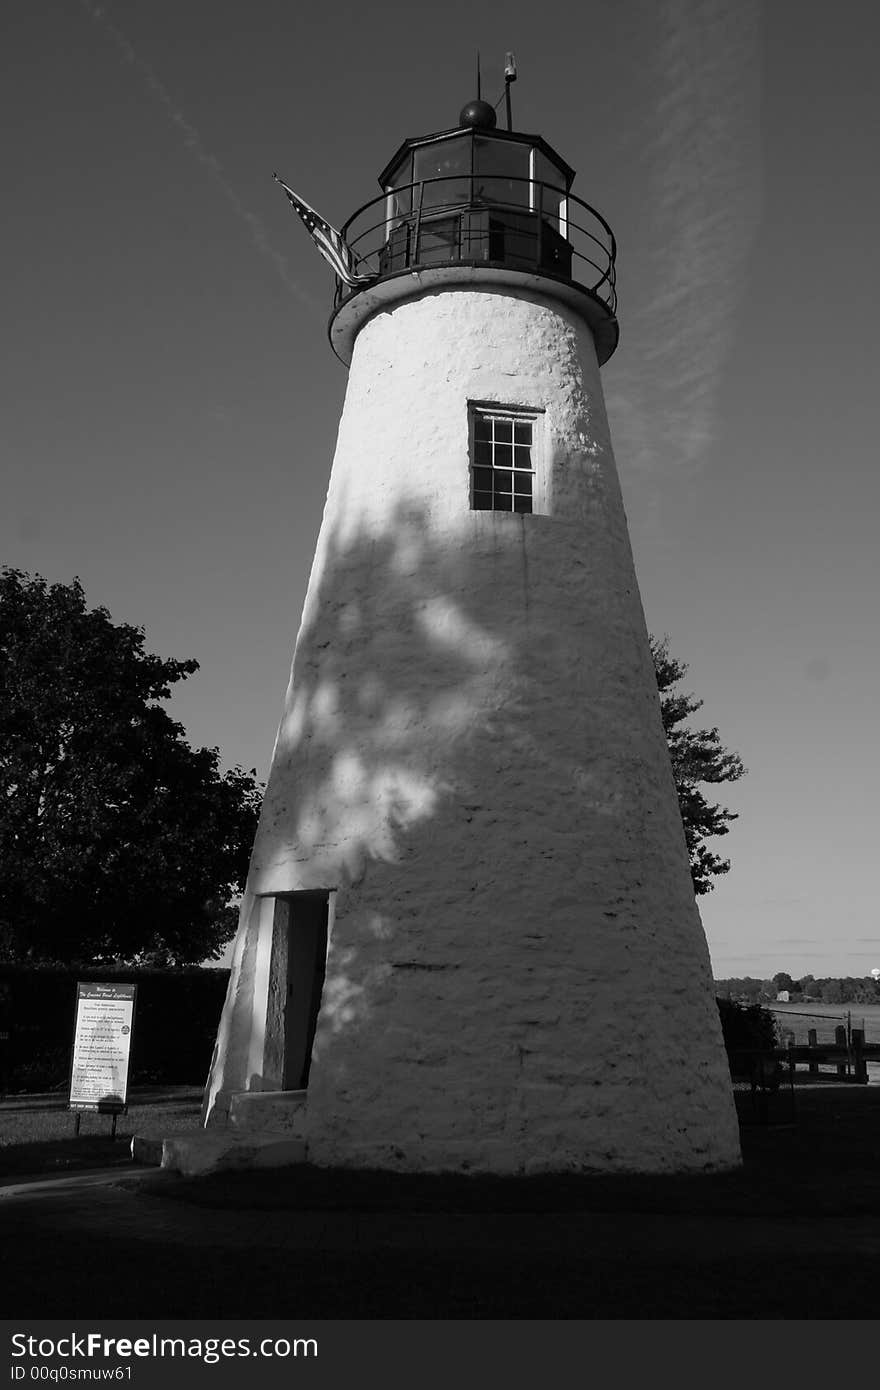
point(37, 1132)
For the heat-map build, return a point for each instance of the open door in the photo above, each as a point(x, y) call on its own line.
point(296, 979)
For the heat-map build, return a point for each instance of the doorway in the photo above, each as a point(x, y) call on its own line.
point(296, 980)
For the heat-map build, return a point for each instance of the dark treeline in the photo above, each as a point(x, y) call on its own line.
point(825, 990)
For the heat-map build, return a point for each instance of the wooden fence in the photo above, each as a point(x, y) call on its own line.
point(848, 1054)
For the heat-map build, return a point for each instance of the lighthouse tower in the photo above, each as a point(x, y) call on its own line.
point(469, 939)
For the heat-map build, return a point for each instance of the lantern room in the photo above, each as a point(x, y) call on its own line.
point(476, 205)
point(481, 193)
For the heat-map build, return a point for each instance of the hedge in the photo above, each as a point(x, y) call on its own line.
point(175, 1024)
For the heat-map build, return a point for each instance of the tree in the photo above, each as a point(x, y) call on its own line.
point(117, 840)
point(698, 758)
point(782, 980)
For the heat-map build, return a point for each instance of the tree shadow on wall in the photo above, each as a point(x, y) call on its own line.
point(459, 759)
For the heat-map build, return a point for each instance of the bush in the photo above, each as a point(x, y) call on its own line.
point(746, 1026)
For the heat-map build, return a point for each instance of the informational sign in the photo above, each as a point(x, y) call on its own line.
point(101, 1047)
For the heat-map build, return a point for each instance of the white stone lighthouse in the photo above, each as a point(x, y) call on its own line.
point(469, 939)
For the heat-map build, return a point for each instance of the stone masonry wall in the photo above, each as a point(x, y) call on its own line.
point(471, 758)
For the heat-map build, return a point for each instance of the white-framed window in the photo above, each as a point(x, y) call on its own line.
point(503, 454)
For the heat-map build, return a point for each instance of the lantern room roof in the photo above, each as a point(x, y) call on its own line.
point(484, 133)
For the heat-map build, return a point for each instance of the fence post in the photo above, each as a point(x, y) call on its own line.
point(861, 1065)
point(812, 1040)
point(840, 1041)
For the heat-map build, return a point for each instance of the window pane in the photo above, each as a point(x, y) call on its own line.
point(444, 160)
point(399, 204)
point(403, 173)
point(482, 451)
point(502, 193)
point(501, 171)
point(501, 462)
point(553, 180)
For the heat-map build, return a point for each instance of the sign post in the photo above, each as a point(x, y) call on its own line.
point(101, 1049)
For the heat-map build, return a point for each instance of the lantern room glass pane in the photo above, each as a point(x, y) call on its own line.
point(501, 171)
point(398, 204)
point(450, 162)
point(554, 181)
point(402, 173)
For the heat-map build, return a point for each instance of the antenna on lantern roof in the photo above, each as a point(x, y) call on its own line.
point(509, 76)
point(478, 113)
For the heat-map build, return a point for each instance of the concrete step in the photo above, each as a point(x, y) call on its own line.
point(211, 1152)
point(277, 1112)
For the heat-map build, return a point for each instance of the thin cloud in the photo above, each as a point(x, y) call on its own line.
point(833, 951)
point(195, 146)
point(703, 208)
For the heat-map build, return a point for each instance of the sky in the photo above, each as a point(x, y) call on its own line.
point(171, 400)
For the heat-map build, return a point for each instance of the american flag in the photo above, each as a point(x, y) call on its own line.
point(328, 241)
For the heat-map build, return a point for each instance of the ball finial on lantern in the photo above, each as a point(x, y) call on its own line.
point(478, 114)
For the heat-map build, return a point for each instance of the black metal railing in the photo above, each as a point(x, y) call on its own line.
point(424, 224)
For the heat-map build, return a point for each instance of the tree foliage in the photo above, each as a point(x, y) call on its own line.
point(118, 841)
point(782, 980)
point(746, 1026)
point(698, 759)
point(829, 990)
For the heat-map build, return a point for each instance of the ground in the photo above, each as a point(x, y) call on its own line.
point(796, 1233)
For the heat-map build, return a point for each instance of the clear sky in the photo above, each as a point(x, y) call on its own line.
point(171, 401)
